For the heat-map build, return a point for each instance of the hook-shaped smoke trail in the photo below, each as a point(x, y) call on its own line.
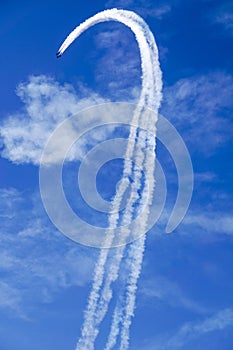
point(150, 98)
point(124, 311)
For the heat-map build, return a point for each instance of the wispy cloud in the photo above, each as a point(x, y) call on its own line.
point(203, 101)
point(36, 262)
point(149, 8)
point(191, 331)
point(161, 289)
point(212, 223)
point(46, 104)
point(9, 199)
point(223, 15)
point(226, 19)
point(121, 76)
point(10, 299)
point(205, 177)
point(121, 62)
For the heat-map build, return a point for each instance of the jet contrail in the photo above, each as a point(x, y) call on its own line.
point(150, 98)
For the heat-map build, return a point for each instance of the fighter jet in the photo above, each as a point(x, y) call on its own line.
point(58, 54)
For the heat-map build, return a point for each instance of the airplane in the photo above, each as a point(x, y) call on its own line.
point(58, 54)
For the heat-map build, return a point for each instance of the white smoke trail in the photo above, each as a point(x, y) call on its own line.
point(150, 98)
point(124, 312)
point(134, 260)
point(116, 320)
point(136, 249)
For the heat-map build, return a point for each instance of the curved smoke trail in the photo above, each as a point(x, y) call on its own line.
point(150, 98)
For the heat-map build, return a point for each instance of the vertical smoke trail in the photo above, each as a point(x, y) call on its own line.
point(116, 320)
point(150, 97)
point(124, 312)
point(136, 249)
point(134, 261)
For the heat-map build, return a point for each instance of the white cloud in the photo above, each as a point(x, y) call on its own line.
point(119, 3)
point(223, 16)
point(120, 79)
point(36, 261)
point(160, 289)
point(200, 107)
point(205, 222)
point(10, 298)
point(205, 177)
point(121, 62)
point(212, 222)
point(120, 59)
point(157, 10)
point(9, 198)
point(225, 19)
point(191, 331)
point(46, 104)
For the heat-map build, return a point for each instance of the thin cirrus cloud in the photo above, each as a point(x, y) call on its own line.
point(226, 19)
point(214, 222)
point(161, 289)
point(203, 100)
point(191, 331)
point(223, 15)
point(121, 72)
point(144, 9)
point(10, 298)
point(35, 266)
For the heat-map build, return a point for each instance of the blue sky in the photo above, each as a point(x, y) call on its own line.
point(185, 292)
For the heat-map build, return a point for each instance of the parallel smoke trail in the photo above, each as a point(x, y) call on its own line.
point(150, 98)
point(136, 249)
point(150, 55)
point(124, 311)
point(135, 258)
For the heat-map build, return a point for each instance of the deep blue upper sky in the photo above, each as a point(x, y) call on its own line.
point(185, 291)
